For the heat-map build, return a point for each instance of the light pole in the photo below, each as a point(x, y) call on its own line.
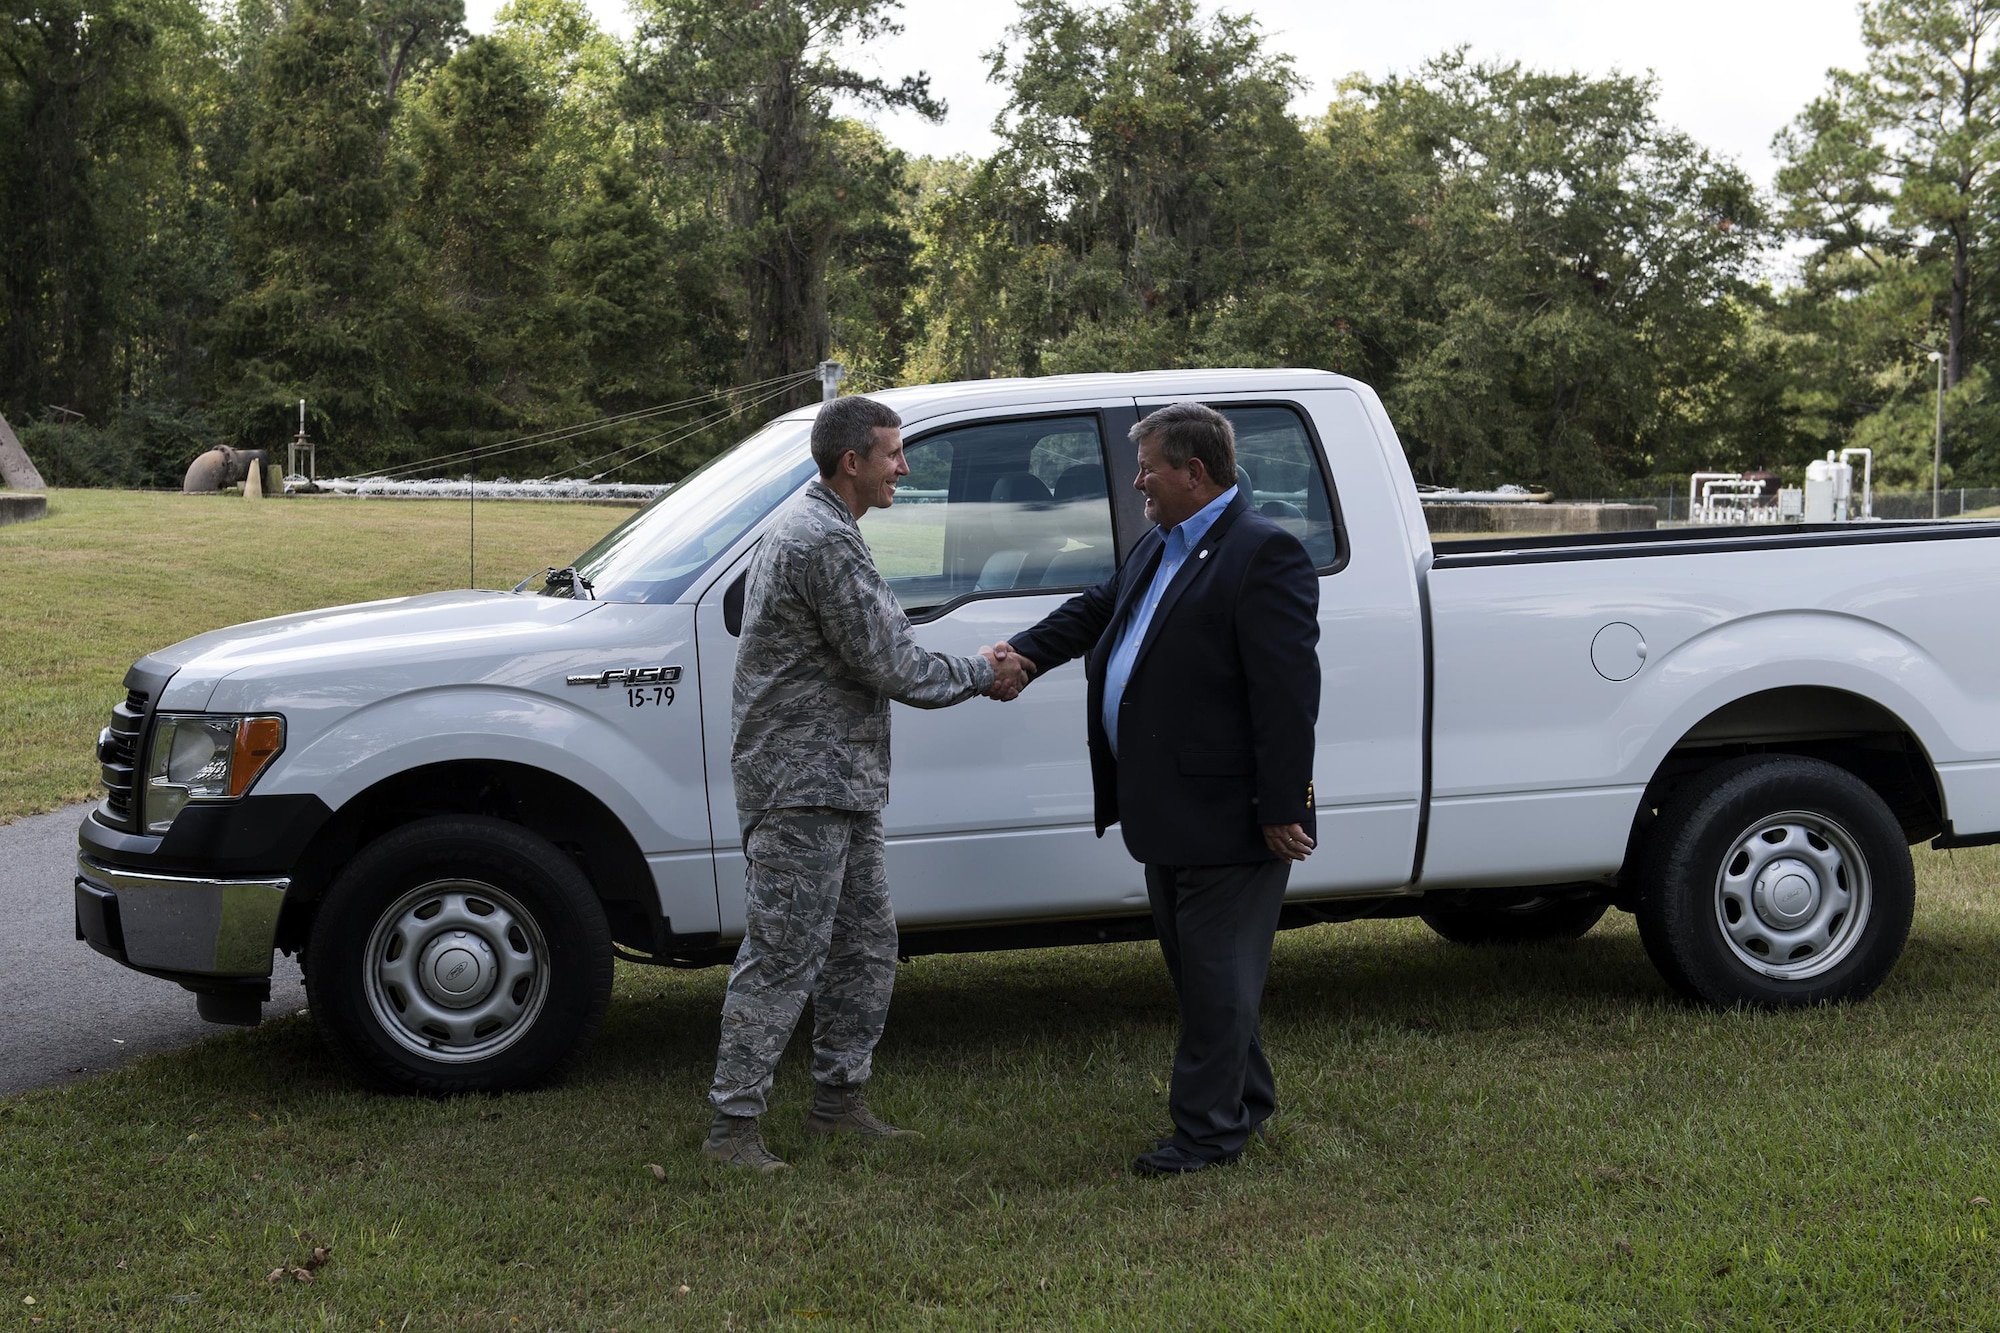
point(1937, 442)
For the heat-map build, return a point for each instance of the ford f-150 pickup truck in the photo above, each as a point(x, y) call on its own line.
point(462, 807)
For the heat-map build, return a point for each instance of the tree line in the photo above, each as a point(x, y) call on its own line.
point(446, 242)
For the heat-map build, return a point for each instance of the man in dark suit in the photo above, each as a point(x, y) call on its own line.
point(1204, 690)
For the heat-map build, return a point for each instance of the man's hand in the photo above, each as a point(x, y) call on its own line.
point(1288, 842)
point(1010, 672)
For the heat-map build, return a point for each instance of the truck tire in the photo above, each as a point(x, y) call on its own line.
point(1775, 881)
point(459, 954)
point(1543, 918)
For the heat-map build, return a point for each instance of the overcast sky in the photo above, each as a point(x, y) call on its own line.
point(1731, 73)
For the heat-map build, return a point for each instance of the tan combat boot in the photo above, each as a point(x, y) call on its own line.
point(735, 1140)
point(841, 1111)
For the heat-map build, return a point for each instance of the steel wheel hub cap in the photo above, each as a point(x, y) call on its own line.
point(1793, 895)
point(456, 971)
point(1787, 892)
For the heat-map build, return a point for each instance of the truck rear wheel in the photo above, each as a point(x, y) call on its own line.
point(1775, 881)
point(459, 954)
point(1520, 917)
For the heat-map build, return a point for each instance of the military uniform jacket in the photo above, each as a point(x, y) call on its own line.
point(825, 647)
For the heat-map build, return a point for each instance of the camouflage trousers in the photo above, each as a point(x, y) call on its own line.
point(819, 927)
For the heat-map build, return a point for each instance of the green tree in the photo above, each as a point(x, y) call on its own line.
point(739, 100)
point(323, 308)
point(1540, 278)
point(412, 36)
point(494, 357)
point(91, 138)
point(1146, 164)
point(1891, 176)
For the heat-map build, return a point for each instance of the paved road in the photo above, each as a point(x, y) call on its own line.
point(67, 1011)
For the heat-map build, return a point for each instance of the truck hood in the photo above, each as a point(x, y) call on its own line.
point(399, 629)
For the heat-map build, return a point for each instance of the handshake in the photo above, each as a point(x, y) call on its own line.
point(1011, 671)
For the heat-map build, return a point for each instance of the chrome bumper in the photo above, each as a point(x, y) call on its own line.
point(180, 924)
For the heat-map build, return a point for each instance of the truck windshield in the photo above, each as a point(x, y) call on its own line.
point(660, 552)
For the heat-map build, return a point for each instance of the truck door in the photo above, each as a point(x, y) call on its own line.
point(1292, 456)
point(1001, 520)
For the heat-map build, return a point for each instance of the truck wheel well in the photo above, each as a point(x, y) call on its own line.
point(576, 822)
point(1842, 728)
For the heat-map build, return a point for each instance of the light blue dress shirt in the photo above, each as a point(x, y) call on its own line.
point(1180, 540)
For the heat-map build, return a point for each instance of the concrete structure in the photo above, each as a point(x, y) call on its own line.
point(17, 470)
point(20, 506)
point(1539, 518)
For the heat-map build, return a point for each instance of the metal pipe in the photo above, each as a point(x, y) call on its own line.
point(1732, 484)
point(1694, 486)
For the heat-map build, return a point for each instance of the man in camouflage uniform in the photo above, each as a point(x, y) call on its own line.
point(825, 647)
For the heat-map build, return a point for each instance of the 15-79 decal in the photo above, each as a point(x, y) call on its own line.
point(645, 687)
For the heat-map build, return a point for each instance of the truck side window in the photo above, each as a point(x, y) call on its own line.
point(1005, 506)
point(1280, 476)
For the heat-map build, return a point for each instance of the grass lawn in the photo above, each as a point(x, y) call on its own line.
point(1533, 1139)
point(109, 576)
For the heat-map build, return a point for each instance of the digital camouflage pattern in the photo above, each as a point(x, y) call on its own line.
point(820, 928)
point(825, 647)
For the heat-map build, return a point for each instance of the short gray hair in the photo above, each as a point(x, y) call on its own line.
point(848, 423)
point(1193, 430)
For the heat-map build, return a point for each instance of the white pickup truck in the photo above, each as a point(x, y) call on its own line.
point(463, 806)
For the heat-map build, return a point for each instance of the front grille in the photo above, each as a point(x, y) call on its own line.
point(118, 759)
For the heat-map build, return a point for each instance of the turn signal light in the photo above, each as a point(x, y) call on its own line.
point(258, 740)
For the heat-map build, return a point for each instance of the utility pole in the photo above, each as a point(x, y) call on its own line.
point(831, 373)
point(1937, 441)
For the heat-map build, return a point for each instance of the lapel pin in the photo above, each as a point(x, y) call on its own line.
point(1203, 555)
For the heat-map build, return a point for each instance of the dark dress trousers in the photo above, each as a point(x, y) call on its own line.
point(1215, 739)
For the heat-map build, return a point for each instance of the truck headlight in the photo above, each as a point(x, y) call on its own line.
point(202, 758)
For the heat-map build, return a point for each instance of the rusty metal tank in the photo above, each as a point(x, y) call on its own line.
point(221, 467)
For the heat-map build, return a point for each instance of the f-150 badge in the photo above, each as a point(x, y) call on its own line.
point(644, 686)
point(604, 680)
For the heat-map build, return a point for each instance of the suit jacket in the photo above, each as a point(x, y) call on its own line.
point(1215, 728)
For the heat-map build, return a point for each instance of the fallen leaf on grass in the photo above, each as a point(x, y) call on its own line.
point(488, 1115)
point(121, 1266)
point(275, 1275)
point(319, 1257)
point(681, 1290)
point(659, 1172)
point(27, 1300)
point(1981, 1201)
point(302, 1275)
point(1623, 1246)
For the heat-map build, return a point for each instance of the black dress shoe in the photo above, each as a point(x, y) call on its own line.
point(1170, 1159)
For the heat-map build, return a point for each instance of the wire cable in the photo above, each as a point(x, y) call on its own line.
point(683, 435)
point(684, 431)
point(566, 432)
point(439, 461)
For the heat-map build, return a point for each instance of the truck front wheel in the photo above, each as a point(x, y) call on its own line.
point(1774, 881)
point(459, 954)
